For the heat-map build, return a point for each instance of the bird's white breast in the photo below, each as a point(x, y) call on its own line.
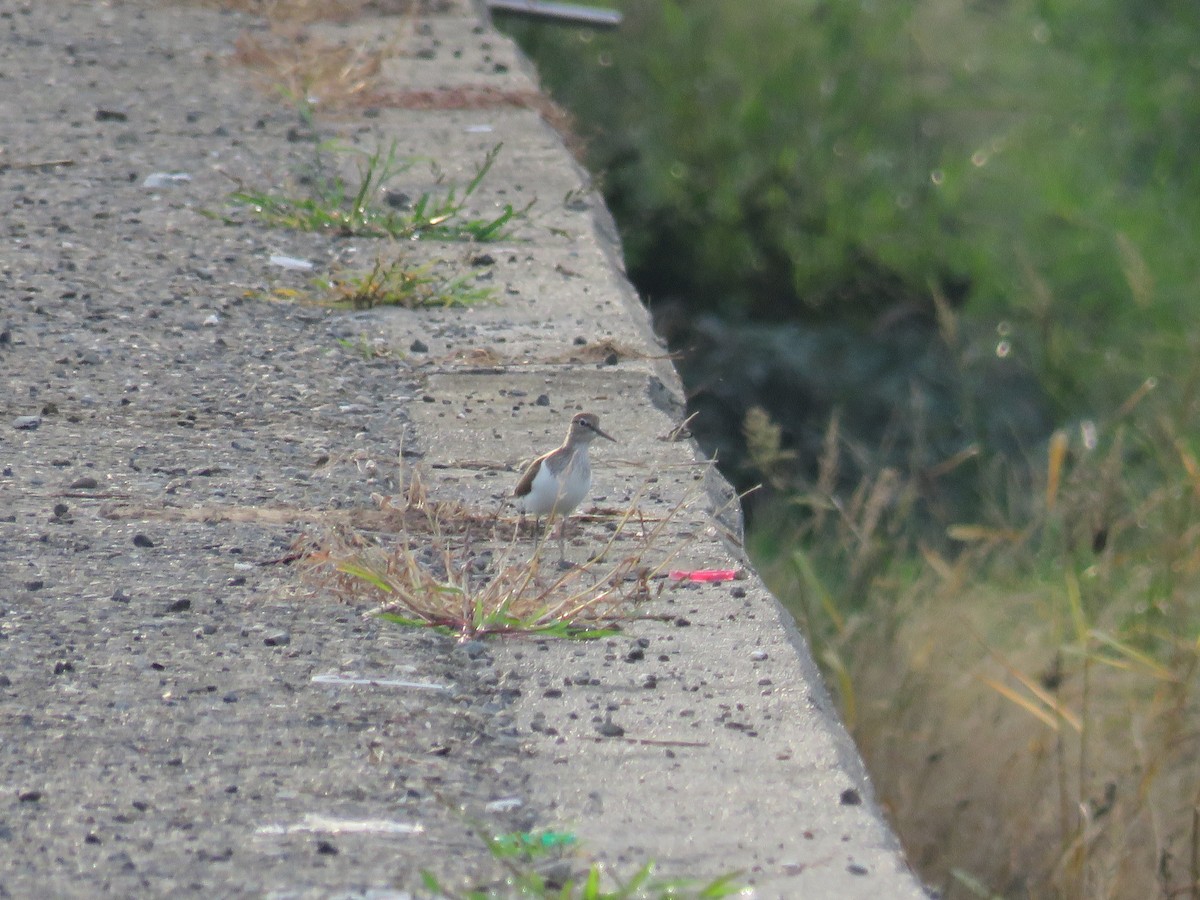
point(558, 495)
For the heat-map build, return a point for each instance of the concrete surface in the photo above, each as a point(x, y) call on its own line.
point(168, 725)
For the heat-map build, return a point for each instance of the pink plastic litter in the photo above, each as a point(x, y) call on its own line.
point(705, 575)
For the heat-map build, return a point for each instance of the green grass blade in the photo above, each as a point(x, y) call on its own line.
point(723, 886)
point(355, 570)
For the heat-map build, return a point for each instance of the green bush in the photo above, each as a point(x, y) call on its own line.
point(1031, 163)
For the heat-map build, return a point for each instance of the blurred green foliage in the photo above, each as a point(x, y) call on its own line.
point(901, 401)
point(1032, 163)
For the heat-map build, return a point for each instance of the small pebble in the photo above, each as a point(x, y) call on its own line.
point(759, 655)
point(181, 605)
point(555, 873)
point(278, 639)
point(165, 179)
point(140, 540)
point(610, 729)
point(291, 262)
point(418, 346)
point(26, 423)
point(86, 483)
point(397, 199)
point(474, 649)
point(505, 805)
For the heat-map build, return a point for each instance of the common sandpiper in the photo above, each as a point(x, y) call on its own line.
point(555, 483)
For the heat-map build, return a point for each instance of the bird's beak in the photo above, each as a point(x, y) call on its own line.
point(603, 435)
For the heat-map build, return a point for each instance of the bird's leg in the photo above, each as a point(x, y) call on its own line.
point(540, 533)
point(562, 543)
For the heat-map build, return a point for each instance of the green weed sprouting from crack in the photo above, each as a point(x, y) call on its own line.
point(525, 881)
point(396, 284)
point(364, 348)
point(335, 206)
point(387, 283)
point(520, 852)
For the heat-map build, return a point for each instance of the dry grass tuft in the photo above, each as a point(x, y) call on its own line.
point(443, 565)
point(481, 96)
point(303, 67)
point(607, 351)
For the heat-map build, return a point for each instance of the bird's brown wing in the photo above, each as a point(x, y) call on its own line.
point(525, 485)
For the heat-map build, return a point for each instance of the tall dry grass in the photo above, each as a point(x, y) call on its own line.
point(1023, 686)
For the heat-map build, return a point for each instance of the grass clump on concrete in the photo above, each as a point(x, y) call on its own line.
point(441, 565)
point(389, 282)
point(311, 73)
point(364, 210)
point(642, 885)
point(368, 209)
point(532, 862)
point(394, 283)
